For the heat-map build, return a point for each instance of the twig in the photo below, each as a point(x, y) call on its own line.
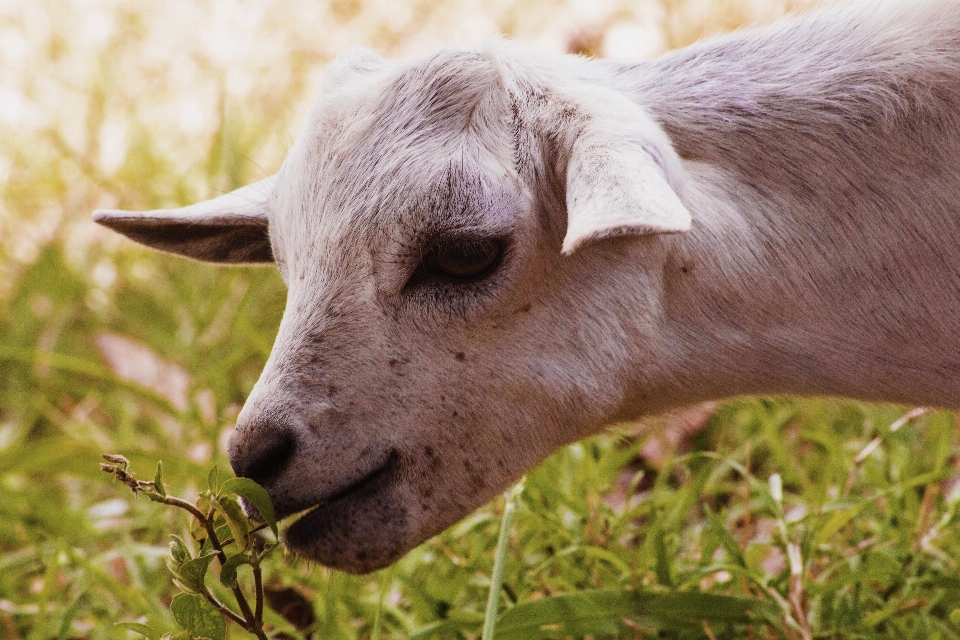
point(250, 623)
point(222, 608)
point(247, 619)
point(258, 590)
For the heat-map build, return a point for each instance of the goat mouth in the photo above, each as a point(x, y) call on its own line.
point(360, 528)
point(379, 477)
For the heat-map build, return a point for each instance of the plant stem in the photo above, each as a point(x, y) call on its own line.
point(385, 581)
point(496, 583)
point(224, 609)
point(258, 589)
point(251, 623)
point(119, 467)
point(183, 504)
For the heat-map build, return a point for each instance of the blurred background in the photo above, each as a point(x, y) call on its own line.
point(107, 347)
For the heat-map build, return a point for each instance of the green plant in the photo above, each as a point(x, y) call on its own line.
point(221, 531)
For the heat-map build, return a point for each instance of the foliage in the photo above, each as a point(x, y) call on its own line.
point(762, 518)
point(218, 515)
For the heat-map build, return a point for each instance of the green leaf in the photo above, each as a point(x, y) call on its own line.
point(198, 531)
point(255, 495)
point(602, 612)
point(191, 573)
point(466, 621)
point(158, 479)
point(178, 550)
point(662, 567)
point(877, 617)
point(729, 544)
point(236, 520)
point(837, 521)
point(68, 615)
point(142, 629)
point(228, 573)
point(223, 533)
point(213, 479)
point(198, 616)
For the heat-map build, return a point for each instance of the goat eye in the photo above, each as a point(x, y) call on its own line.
point(463, 261)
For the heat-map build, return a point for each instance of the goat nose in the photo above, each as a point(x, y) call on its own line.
point(261, 453)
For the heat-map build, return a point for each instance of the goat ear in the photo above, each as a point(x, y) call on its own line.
point(231, 228)
point(623, 176)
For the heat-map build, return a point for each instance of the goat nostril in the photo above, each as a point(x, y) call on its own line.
point(269, 459)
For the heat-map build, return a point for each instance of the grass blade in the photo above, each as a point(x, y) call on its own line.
point(601, 612)
point(496, 583)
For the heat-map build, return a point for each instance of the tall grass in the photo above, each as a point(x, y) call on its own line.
point(760, 518)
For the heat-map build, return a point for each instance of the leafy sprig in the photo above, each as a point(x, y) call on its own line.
point(221, 531)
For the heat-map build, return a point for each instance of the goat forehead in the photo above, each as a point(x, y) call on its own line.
point(430, 202)
point(440, 102)
point(421, 143)
point(443, 88)
point(358, 215)
point(454, 197)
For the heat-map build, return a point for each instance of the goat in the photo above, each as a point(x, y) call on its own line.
point(491, 253)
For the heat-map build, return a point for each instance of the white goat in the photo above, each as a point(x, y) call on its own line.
point(492, 253)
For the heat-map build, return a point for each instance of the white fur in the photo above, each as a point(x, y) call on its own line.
point(819, 162)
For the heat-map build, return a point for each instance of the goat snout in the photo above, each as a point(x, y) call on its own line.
point(261, 450)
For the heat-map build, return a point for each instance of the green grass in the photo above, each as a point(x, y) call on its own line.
point(874, 544)
point(766, 523)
